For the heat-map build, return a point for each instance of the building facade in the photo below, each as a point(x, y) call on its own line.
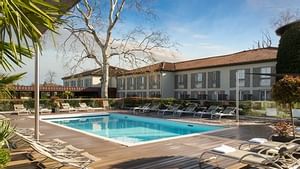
point(213, 78)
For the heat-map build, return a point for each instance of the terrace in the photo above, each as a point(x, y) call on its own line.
point(176, 153)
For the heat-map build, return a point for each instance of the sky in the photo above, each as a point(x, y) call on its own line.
point(200, 28)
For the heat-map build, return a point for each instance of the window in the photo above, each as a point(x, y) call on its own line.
point(181, 81)
point(265, 79)
point(214, 79)
point(73, 83)
point(87, 82)
point(121, 84)
point(80, 83)
point(241, 77)
point(66, 83)
point(154, 81)
point(198, 80)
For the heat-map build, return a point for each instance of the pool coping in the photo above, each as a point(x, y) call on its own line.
point(48, 117)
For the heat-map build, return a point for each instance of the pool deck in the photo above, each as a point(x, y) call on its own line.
point(176, 153)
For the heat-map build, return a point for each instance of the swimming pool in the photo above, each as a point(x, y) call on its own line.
point(131, 130)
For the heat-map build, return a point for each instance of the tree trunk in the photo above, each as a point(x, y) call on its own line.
point(105, 77)
point(292, 118)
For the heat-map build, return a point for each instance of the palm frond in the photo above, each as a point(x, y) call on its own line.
point(6, 82)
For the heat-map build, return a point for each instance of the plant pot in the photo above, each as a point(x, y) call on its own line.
point(283, 139)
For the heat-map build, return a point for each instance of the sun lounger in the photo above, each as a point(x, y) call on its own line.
point(209, 112)
point(80, 160)
point(44, 110)
point(21, 110)
point(227, 112)
point(65, 107)
point(84, 107)
point(189, 110)
point(262, 144)
point(169, 109)
point(246, 157)
point(154, 107)
point(140, 108)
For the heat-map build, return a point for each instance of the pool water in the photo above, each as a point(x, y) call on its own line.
point(130, 130)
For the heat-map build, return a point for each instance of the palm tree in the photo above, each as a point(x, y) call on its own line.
point(19, 33)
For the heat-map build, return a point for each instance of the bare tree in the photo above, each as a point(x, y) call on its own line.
point(93, 25)
point(50, 77)
point(286, 17)
point(265, 42)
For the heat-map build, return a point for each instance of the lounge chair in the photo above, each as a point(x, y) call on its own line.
point(246, 157)
point(169, 109)
point(80, 160)
point(153, 108)
point(84, 107)
point(188, 110)
point(44, 110)
point(209, 112)
point(227, 112)
point(262, 144)
point(140, 108)
point(65, 107)
point(21, 110)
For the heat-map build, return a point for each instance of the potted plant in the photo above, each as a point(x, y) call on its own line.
point(283, 131)
point(54, 104)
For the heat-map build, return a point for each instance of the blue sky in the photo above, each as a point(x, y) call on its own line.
point(202, 28)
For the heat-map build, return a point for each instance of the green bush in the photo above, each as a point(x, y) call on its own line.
point(4, 157)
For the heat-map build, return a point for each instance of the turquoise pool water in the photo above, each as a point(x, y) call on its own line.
point(129, 130)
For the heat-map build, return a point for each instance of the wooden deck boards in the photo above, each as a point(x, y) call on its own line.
point(177, 153)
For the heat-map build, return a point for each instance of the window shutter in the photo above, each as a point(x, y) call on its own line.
point(185, 81)
point(210, 79)
point(233, 78)
point(145, 82)
point(176, 82)
point(204, 80)
point(247, 76)
point(273, 78)
point(134, 83)
point(158, 81)
point(218, 79)
point(128, 83)
point(256, 77)
point(193, 80)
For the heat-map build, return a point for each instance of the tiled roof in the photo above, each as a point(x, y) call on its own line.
point(97, 72)
point(162, 66)
point(244, 57)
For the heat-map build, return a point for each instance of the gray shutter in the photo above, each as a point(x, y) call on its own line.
point(128, 84)
point(232, 78)
point(256, 77)
point(176, 82)
point(210, 79)
point(158, 81)
point(232, 95)
point(273, 78)
point(185, 81)
point(193, 80)
point(247, 76)
point(204, 80)
point(134, 83)
point(218, 79)
point(145, 82)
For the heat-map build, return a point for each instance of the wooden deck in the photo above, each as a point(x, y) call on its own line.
point(176, 153)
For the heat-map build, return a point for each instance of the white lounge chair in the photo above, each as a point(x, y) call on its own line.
point(169, 109)
point(21, 110)
point(65, 107)
point(209, 112)
point(246, 157)
point(84, 107)
point(188, 110)
point(80, 160)
point(135, 110)
point(227, 112)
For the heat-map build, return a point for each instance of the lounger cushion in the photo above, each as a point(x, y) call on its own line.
point(224, 149)
point(258, 140)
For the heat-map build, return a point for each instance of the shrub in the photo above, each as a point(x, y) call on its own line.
point(282, 128)
point(4, 157)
